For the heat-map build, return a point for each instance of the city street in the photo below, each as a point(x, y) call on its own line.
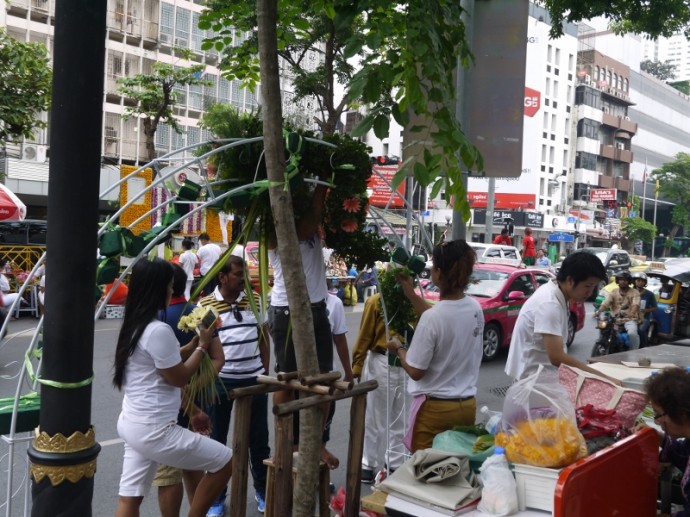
point(106, 407)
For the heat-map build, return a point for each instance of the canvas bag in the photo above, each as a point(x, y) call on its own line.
point(585, 388)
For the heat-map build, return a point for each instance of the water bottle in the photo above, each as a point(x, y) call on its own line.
point(499, 492)
point(493, 419)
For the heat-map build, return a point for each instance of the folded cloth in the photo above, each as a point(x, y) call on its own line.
point(433, 466)
point(454, 484)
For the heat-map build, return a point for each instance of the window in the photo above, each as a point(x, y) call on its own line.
point(585, 160)
point(522, 283)
point(588, 128)
point(167, 18)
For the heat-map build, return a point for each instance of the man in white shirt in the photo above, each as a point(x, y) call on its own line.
point(208, 254)
point(188, 261)
point(541, 329)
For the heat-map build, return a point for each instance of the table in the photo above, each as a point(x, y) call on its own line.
point(678, 355)
point(32, 306)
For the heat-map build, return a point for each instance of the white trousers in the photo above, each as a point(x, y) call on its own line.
point(384, 430)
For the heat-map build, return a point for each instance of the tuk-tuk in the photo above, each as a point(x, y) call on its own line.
point(671, 284)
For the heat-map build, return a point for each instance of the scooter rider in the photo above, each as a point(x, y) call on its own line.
point(624, 301)
point(647, 306)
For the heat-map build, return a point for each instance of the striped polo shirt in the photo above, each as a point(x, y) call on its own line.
point(240, 339)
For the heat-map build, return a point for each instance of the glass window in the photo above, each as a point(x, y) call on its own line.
point(182, 21)
point(167, 18)
point(522, 283)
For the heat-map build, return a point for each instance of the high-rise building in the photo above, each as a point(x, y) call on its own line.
point(139, 33)
point(675, 50)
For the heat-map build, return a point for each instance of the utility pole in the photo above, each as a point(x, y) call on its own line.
point(63, 453)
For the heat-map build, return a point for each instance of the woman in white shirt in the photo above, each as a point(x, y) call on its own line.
point(150, 371)
point(446, 350)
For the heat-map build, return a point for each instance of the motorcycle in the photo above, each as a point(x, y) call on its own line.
point(612, 336)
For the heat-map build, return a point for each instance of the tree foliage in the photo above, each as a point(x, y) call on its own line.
point(674, 184)
point(655, 18)
point(393, 48)
point(681, 86)
point(661, 70)
point(637, 228)
point(25, 86)
point(155, 96)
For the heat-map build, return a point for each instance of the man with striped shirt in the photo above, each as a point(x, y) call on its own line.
point(243, 334)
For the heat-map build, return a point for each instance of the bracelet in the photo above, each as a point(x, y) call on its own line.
point(201, 349)
point(204, 346)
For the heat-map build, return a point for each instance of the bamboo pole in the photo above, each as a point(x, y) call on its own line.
point(342, 385)
point(354, 455)
point(240, 448)
point(296, 385)
point(287, 376)
point(297, 405)
point(252, 390)
point(282, 465)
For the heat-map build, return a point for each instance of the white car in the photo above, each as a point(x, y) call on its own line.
point(488, 254)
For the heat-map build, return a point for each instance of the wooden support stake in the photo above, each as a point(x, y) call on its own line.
point(282, 486)
point(342, 385)
point(287, 376)
point(252, 390)
point(322, 378)
point(296, 385)
point(297, 405)
point(240, 449)
point(354, 456)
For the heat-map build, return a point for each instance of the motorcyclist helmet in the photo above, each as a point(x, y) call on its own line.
point(639, 275)
point(623, 275)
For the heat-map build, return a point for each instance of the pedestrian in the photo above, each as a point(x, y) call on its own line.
point(624, 303)
point(445, 354)
point(368, 277)
point(648, 307)
point(169, 480)
point(243, 334)
point(384, 417)
point(188, 262)
point(541, 330)
point(542, 260)
point(669, 393)
point(504, 238)
point(208, 254)
point(310, 248)
point(528, 248)
point(150, 371)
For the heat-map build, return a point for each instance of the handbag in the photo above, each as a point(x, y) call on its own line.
point(585, 388)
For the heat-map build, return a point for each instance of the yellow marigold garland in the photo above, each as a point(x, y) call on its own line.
point(543, 442)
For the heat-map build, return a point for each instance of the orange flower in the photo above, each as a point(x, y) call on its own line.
point(351, 204)
point(349, 225)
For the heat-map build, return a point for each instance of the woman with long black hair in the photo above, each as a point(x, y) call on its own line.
point(150, 371)
point(446, 350)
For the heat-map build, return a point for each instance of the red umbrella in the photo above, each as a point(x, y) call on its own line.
point(11, 207)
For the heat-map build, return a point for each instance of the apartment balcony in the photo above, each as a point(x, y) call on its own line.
point(40, 9)
point(621, 123)
point(614, 153)
point(617, 182)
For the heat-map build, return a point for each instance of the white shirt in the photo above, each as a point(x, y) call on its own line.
point(208, 255)
point(4, 284)
point(188, 261)
point(447, 343)
point(314, 272)
point(546, 312)
point(336, 315)
point(149, 399)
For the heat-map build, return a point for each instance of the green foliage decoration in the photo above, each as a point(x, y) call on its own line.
point(402, 317)
point(346, 205)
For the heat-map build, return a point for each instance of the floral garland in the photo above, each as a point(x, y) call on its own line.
point(401, 315)
point(346, 205)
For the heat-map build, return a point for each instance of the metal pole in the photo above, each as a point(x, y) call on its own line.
point(656, 197)
point(63, 454)
point(489, 224)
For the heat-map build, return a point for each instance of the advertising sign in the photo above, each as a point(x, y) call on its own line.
point(381, 194)
point(532, 101)
point(503, 201)
point(527, 219)
point(602, 194)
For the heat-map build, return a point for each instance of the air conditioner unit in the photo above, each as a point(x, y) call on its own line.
point(165, 38)
point(181, 42)
point(110, 133)
point(34, 153)
point(558, 209)
point(588, 79)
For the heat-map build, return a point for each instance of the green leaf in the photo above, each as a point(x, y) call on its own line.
point(363, 127)
point(381, 125)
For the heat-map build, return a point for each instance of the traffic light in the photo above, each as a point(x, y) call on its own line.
point(386, 160)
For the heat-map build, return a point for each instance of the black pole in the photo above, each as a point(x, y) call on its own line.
point(63, 455)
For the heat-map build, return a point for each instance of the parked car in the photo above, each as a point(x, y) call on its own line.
point(614, 260)
point(502, 291)
point(488, 254)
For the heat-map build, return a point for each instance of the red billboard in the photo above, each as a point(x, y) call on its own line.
point(597, 195)
point(381, 194)
point(504, 201)
point(532, 101)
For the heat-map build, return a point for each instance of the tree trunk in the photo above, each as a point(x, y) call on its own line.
point(149, 135)
point(669, 238)
point(291, 261)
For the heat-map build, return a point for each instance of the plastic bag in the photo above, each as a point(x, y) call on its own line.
point(464, 443)
point(539, 425)
point(499, 495)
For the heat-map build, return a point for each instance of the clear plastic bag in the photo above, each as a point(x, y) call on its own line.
point(539, 425)
point(499, 492)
